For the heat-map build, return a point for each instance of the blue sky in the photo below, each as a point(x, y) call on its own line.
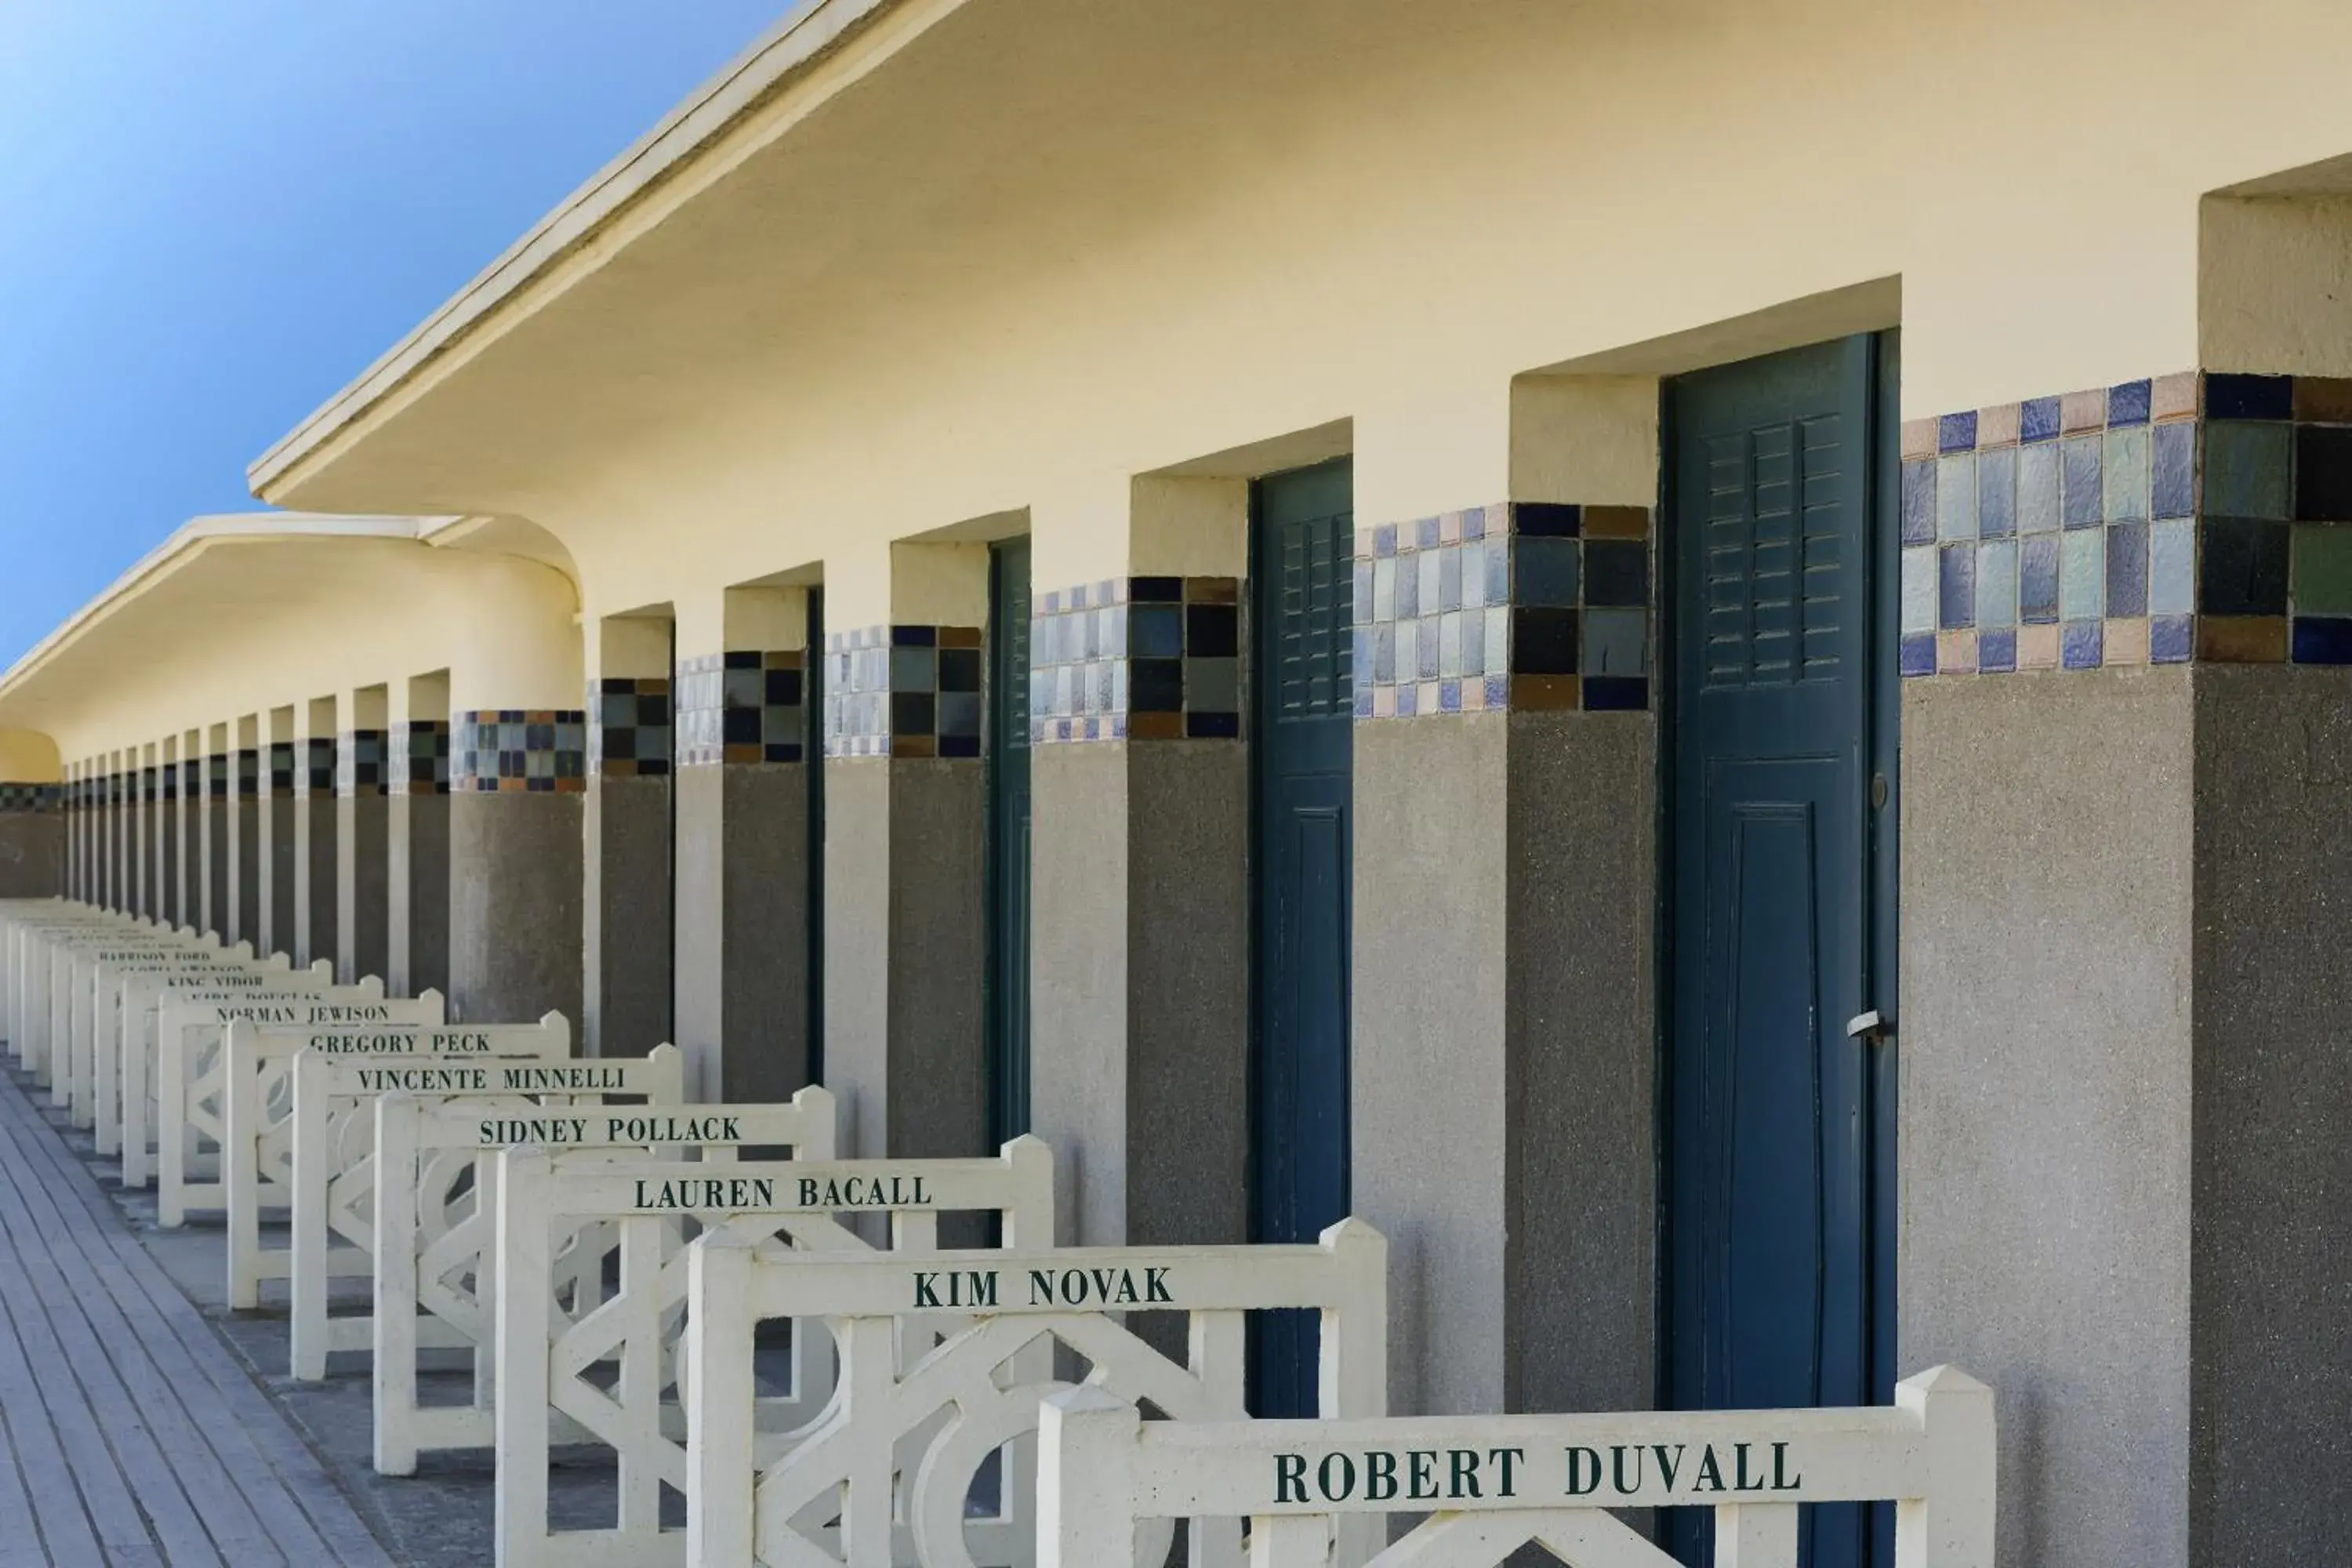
point(215, 213)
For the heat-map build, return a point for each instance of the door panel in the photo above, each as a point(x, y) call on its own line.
point(1768, 1241)
point(1008, 841)
point(1302, 705)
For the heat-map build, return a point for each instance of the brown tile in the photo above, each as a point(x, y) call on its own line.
point(1617, 522)
point(1919, 438)
point(914, 746)
point(1212, 590)
point(2173, 396)
point(958, 637)
point(1956, 653)
point(1155, 726)
point(1474, 694)
point(2083, 410)
point(1545, 693)
point(2322, 400)
point(1997, 426)
point(2124, 641)
point(2241, 639)
point(1384, 701)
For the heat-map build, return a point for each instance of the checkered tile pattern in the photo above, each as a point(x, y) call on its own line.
point(536, 751)
point(317, 774)
point(629, 728)
point(903, 691)
point(359, 763)
point(744, 706)
point(1144, 659)
point(216, 775)
point(417, 758)
point(281, 770)
point(31, 796)
point(248, 773)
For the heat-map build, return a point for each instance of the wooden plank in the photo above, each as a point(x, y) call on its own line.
point(258, 1493)
point(65, 1526)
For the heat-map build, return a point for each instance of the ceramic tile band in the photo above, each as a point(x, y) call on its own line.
point(902, 691)
point(741, 707)
point(520, 751)
point(359, 763)
point(417, 758)
point(167, 783)
point(248, 773)
point(1143, 658)
point(216, 767)
point(629, 730)
point(317, 774)
point(30, 796)
point(2197, 516)
point(281, 770)
point(192, 780)
point(1539, 607)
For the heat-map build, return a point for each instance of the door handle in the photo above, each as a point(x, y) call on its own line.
point(1873, 1027)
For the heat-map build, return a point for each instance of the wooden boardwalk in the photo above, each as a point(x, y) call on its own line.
point(129, 1432)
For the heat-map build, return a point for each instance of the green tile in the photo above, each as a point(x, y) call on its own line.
point(2323, 570)
point(2247, 471)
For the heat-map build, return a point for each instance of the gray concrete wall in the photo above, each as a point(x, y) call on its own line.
point(318, 826)
point(416, 886)
point(2046, 1092)
point(858, 947)
point(245, 834)
point(363, 886)
point(32, 854)
point(1579, 1287)
point(764, 959)
point(514, 906)
point(1079, 939)
point(628, 934)
point(2271, 1271)
point(278, 815)
point(937, 955)
point(1429, 1076)
point(172, 903)
point(699, 1002)
point(213, 914)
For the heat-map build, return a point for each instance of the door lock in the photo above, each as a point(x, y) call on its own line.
point(1873, 1027)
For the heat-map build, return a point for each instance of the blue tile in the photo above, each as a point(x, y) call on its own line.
point(1363, 702)
point(1546, 519)
point(1997, 650)
point(2171, 640)
point(2124, 459)
point(2249, 397)
point(1918, 654)
point(2242, 566)
point(2173, 469)
point(2249, 470)
point(2172, 567)
point(914, 637)
point(1997, 493)
point(1449, 696)
point(1499, 570)
point(1997, 582)
point(2083, 501)
point(1406, 696)
point(1426, 531)
point(2127, 569)
point(2127, 404)
point(2079, 644)
point(1157, 631)
point(1956, 432)
point(1617, 572)
point(1384, 539)
point(2038, 420)
point(2037, 579)
point(1955, 497)
point(1405, 602)
point(1616, 642)
point(1427, 564)
point(1920, 501)
point(1449, 578)
point(1363, 591)
point(1428, 644)
point(1955, 587)
point(1499, 692)
point(1616, 694)
point(2038, 505)
point(2322, 639)
point(1918, 604)
point(2083, 575)
point(1548, 571)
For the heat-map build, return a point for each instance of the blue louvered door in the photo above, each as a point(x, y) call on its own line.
point(1301, 705)
point(1770, 1199)
point(1007, 984)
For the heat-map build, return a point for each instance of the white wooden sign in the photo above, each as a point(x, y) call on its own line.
point(258, 1118)
point(848, 1494)
point(436, 1215)
point(552, 1360)
point(126, 1042)
point(172, 1133)
point(1492, 1484)
point(333, 1169)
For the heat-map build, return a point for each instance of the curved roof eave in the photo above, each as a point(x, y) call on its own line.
point(805, 33)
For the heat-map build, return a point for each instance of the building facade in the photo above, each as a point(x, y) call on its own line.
point(1695, 654)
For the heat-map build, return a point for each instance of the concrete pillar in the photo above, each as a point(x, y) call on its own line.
point(1503, 1072)
point(905, 942)
point(219, 762)
point(316, 856)
point(418, 779)
point(362, 866)
point(150, 858)
point(278, 845)
point(1138, 861)
point(33, 825)
point(628, 937)
point(167, 834)
point(516, 783)
point(187, 869)
point(743, 771)
point(245, 836)
point(136, 777)
point(111, 864)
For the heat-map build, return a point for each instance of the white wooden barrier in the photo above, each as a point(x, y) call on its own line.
point(1492, 1484)
point(545, 1362)
point(257, 1153)
point(436, 1222)
point(125, 1041)
point(852, 1470)
point(334, 1168)
point(65, 1004)
point(95, 1019)
point(190, 1062)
